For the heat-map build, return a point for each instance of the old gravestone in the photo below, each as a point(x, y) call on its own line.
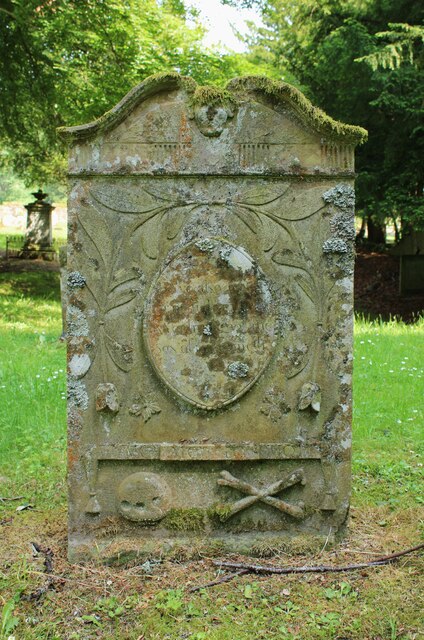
point(209, 318)
point(38, 234)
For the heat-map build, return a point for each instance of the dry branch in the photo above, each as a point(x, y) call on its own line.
point(226, 578)
point(260, 569)
point(244, 568)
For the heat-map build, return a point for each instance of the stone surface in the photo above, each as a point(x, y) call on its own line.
point(209, 318)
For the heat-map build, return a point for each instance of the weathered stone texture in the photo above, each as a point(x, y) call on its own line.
point(209, 318)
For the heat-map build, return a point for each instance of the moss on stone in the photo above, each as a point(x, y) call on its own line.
point(185, 520)
point(279, 92)
point(219, 513)
point(151, 85)
point(212, 96)
point(283, 92)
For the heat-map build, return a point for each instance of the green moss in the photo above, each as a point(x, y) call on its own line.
point(185, 519)
point(219, 513)
point(151, 85)
point(279, 92)
point(283, 92)
point(212, 96)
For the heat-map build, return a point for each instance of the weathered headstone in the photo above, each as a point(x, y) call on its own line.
point(209, 318)
point(411, 253)
point(38, 235)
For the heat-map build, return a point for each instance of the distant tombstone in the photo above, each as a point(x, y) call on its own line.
point(411, 253)
point(209, 319)
point(38, 235)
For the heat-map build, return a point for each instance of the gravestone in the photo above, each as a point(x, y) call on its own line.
point(411, 254)
point(38, 234)
point(209, 319)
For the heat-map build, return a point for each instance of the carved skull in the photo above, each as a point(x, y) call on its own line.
point(143, 497)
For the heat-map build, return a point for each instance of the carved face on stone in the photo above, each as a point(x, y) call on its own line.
point(212, 119)
point(143, 497)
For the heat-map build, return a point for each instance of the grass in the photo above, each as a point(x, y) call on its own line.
point(150, 601)
point(59, 234)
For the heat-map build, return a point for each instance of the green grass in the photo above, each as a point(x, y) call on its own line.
point(32, 386)
point(388, 412)
point(59, 235)
point(152, 603)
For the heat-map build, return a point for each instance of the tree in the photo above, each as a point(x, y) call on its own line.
point(361, 61)
point(65, 62)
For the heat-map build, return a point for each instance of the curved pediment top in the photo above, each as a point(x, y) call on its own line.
point(150, 86)
point(237, 90)
point(287, 95)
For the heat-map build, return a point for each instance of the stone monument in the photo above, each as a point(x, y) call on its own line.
point(38, 235)
point(209, 319)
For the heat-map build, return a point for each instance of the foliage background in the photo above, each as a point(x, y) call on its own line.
point(65, 62)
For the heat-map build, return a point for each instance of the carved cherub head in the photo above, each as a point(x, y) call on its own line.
point(211, 109)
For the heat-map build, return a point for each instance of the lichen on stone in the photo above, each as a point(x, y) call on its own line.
point(237, 369)
point(206, 245)
point(274, 405)
point(207, 331)
point(341, 196)
point(76, 280)
point(77, 394)
point(343, 226)
point(335, 245)
point(76, 322)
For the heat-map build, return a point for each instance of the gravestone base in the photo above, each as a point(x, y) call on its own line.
point(119, 550)
point(228, 506)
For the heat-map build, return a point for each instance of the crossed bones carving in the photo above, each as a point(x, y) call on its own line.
point(265, 495)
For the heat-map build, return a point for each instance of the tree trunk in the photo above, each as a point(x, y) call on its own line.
point(376, 231)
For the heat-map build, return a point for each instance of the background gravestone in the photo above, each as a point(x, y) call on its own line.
point(209, 318)
point(38, 234)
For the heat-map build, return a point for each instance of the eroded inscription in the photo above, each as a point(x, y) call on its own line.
point(210, 323)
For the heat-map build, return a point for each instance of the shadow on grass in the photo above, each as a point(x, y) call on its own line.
point(41, 285)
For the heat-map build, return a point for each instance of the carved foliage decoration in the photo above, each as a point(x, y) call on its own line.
point(159, 215)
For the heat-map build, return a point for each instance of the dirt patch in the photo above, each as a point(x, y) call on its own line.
point(377, 288)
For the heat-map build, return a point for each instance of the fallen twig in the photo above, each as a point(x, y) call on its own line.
point(226, 578)
point(244, 568)
point(5, 499)
point(36, 595)
point(255, 568)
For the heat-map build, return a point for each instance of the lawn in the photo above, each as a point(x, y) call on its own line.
point(151, 600)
